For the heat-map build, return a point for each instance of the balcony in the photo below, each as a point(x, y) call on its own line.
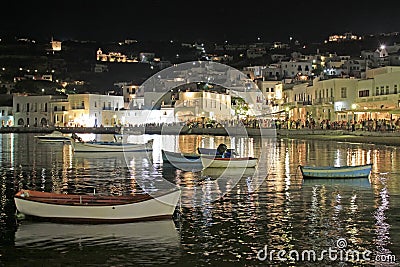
point(327, 100)
point(78, 107)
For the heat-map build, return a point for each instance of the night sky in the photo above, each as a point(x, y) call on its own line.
point(246, 21)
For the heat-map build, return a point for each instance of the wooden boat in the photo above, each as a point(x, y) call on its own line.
point(177, 157)
point(240, 162)
point(359, 171)
point(55, 136)
point(93, 146)
point(95, 208)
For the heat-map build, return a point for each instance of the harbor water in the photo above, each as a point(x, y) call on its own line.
point(266, 216)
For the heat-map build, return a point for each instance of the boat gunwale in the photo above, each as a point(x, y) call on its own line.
point(188, 156)
point(324, 168)
point(229, 159)
point(85, 200)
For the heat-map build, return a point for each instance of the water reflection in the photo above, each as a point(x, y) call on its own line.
point(139, 243)
point(269, 205)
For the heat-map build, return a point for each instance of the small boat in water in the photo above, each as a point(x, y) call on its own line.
point(177, 157)
point(97, 146)
point(55, 136)
point(218, 162)
point(96, 208)
point(359, 171)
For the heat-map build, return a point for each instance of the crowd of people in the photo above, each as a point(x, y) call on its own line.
point(381, 125)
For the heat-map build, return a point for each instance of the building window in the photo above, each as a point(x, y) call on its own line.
point(343, 92)
point(382, 90)
point(377, 91)
point(395, 89)
point(387, 89)
point(363, 93)
point(18, 107)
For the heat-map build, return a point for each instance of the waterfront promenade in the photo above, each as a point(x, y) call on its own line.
point(358, 136)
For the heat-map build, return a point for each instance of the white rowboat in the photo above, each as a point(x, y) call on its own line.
point(111, 147)
point(177, 157)
point(95, 209)
point(359, 171)
point(214, 162)
point(55, 136)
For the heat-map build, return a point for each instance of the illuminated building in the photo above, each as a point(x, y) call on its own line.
point(203, 104)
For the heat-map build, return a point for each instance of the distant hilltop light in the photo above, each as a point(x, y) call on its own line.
point(348, 36)
point(55, 45)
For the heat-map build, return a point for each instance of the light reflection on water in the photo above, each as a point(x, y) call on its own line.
point(273, 207)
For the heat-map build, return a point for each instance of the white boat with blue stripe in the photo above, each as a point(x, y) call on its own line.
point(358, 171)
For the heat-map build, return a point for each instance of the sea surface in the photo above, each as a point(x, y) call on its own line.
point(263, 216)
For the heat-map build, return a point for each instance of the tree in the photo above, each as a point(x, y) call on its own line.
point(240, 106)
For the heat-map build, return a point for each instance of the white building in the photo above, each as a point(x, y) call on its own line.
point(290, 69)
point(75, 110)
point(137, 117)
point(31, 110)
point(6, 117)
point(203, 104)
point(87, 109)
point(132, 100)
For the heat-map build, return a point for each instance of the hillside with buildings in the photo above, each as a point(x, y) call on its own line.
point(346, 78)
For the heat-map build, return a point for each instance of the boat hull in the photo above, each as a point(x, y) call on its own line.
point(158, 208)
point(111, 147)
point(212, 162)
point(174, 157)
point(53, 137)
point(362, 171)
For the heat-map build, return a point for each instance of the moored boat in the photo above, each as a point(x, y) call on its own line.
point(55, 136)
point(93, 146)
point(177, 157)
point(217, 162)
point(96, 208)
point(359, 171)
